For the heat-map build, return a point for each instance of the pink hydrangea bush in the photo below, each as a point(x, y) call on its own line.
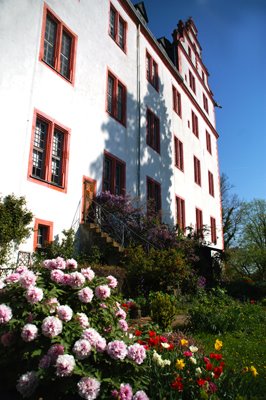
point(67, 324)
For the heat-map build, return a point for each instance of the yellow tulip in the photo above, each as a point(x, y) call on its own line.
point(218, 344)
point(253, 371)
point(184, 342)
point(180, 364)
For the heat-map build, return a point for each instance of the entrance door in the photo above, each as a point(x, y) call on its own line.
point(89, 192)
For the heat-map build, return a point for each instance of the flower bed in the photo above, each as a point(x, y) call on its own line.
point(64, 335)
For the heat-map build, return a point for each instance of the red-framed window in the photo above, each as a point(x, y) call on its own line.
point(116, 98)
point(199, 222)
point(180, 213)
point(58, 45)
point(208, 142)
point(189, 52)
point(177, 102)
point(114, 174)
point(211, 183)
point(152, 71)
point(203, 76)
point(43, 233)
point(197, 171)
point(195, 124)
point(205, 103)
point(49, 152)
point(192, 82)
point(154, 202)
point(153, 131)
point(213, 230)
point(117, 28)
point(179, 154)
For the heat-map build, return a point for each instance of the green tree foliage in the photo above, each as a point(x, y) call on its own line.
point(232, 212)
point(14, 224)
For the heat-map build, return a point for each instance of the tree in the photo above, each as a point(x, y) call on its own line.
point(14, 224)
point(232, 212)
point(253, 238)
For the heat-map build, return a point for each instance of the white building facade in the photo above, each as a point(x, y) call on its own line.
point(88, 95)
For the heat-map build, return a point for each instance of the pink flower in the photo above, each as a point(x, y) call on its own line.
point(85, 295)
point(27, 279)
point(140, 395)
point(125, 392)
point(121, 313)
point(12, 278)
point(59, 263)
point(101, 344)
point(65, 365)
point(88, 273)
point(34, 294)
point(82, 349)
point(188, 353)
point(102, 292)
point(29, 332)
point(137, 353)
point(5, 314)
point(112, 281)
point(45, 361)
point(67, 280)
point(117, 349)
point(53, 304)
point(55, 351)
point(71, 264)
point(123, 325)
point(77, 280)
point(82, 320)
point(27, 384)
point(20, 269)
point(103, 305)
point(95, 339)
point(7, 339)
point(88, 388)
point(65, 313)
point(51, 326)
point(57, 276)
point(47, 264)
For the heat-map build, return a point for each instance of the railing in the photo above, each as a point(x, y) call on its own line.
point(115, 227)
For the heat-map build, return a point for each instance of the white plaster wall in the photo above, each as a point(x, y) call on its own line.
point(26, 83)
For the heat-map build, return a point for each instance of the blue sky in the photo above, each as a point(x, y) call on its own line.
point(232, 34)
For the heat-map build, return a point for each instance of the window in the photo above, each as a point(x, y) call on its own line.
point(205, 103)
point(177, 102)
point(192, 82)
point(197, 172)
point(203, 76)
point(117, 28)
point(43, 234)
point(58, 45)
point(114, 174)
point(49, 153)
point(152, 71)
point(195, 124)
point(211, 184)
point(189, 51)
point(153, 197)
point(199, 222)
point(208, 142)
point(180, 213)
point(153, 131)
point(116, 98)
point(213, 231)
point(179, 156)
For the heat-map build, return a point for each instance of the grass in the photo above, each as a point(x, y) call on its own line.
point(242, 348)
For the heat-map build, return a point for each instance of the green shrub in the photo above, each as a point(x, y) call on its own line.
point(163, 309)
point(216, 312)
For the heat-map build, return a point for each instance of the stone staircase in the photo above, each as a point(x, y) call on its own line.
point(104, 237)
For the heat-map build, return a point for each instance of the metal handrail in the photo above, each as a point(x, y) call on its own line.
point(114, 226)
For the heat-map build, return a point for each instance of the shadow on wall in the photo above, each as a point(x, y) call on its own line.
point(125, 144)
